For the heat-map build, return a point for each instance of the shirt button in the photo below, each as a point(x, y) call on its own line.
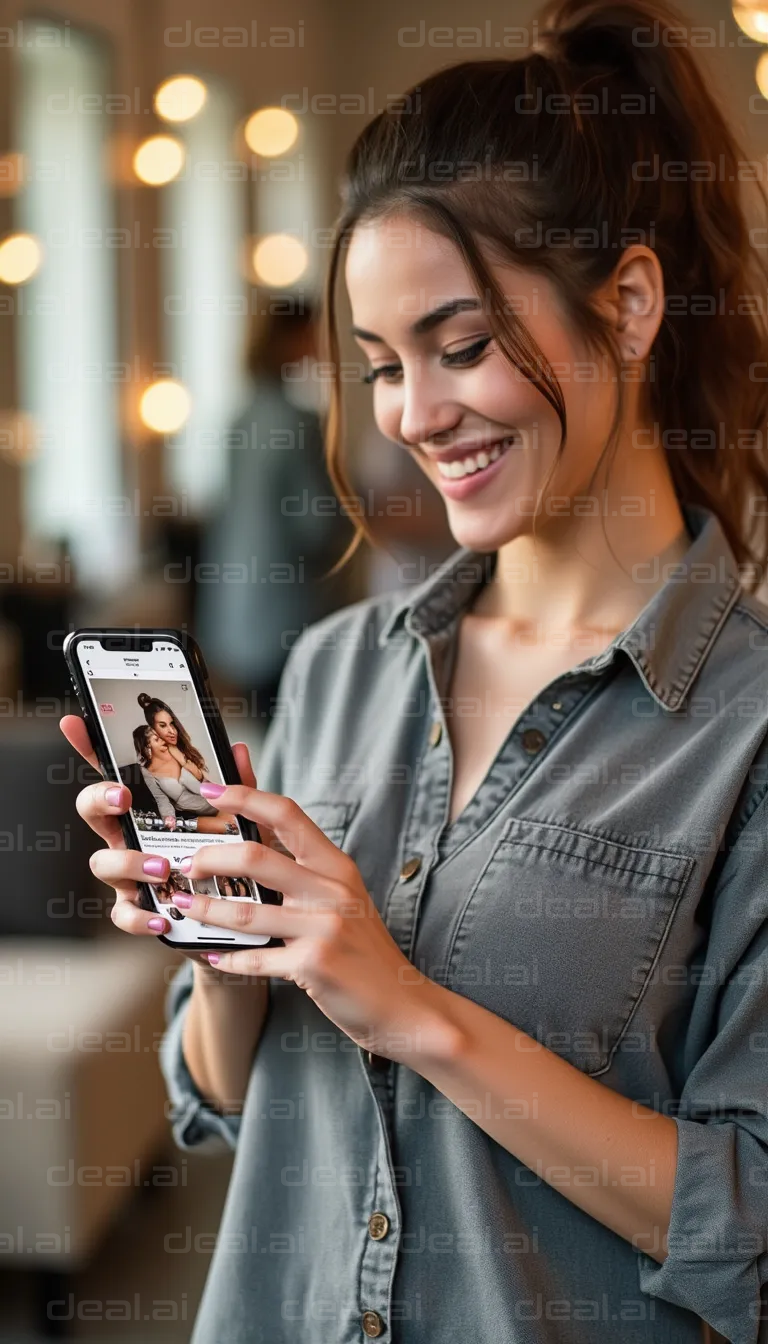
point(557, 704)
point(435, 733)
point(378, 1225)
point(533, 740)
point(373, 1325)
point(410, 869)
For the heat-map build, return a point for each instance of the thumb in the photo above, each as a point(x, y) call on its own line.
point(243, 762)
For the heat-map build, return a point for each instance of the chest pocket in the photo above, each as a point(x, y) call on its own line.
point(332, 818)
point(561, 932)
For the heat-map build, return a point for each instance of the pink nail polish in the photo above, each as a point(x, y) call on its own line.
point(185, 865)
point(182, 900)
point(210, 790)
point(213, 958)
point(156, 924)
point(154, 867)
point(114, 796)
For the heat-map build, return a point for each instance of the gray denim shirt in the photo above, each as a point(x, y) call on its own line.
point(606, 891)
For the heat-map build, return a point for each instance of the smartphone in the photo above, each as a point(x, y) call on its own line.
point(155, 726)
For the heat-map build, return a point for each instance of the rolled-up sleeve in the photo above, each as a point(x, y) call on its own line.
point(195, 1122)
point(717, 1260)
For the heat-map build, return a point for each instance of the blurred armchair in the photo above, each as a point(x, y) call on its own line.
point(82, 1103)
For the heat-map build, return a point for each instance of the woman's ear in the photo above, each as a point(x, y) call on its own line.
point(632, 300)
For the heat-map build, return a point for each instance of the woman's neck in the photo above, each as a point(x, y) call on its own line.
point(590, 572)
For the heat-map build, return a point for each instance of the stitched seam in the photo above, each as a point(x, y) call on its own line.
point(641, 991)
point(463, 913)
point(719, 607)
point(729, 602)
point(751, 616)
point(594, 835)
point(600, 863)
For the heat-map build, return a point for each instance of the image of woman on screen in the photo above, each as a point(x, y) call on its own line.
point(166, 891)
point(174, 787)
point(234, 889)
point(161, 718)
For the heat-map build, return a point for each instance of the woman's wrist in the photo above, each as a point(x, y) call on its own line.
point(206, 979)
point(427, 1028)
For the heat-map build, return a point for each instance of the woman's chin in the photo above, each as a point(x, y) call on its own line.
point(478, 530)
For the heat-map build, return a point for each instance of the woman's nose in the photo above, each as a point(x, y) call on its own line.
point(426, 412)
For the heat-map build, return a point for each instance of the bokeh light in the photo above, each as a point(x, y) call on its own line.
point(180, 98)
point(761, 74)
point(271, 131)
point(752, 20)
point(279, 259)
point(165, 406)
point(158, 160)
point(21, 257)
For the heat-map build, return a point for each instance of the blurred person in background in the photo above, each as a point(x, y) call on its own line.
point(279, 526)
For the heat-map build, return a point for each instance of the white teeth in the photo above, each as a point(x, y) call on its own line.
point(467, 466)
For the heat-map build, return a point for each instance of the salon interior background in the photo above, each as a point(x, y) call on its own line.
point(141, 222)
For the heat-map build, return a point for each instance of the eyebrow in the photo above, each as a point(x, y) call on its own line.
point(427, 321)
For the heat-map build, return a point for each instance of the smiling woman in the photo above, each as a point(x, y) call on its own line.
point(517, 814)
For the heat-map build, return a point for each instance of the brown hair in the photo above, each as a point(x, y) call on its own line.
point(578, 134)
point(141, 744)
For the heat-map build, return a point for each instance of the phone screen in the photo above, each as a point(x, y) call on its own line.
point(161, 748)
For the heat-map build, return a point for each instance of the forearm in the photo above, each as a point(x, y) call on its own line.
point(222, 1030)
point(612, 1157)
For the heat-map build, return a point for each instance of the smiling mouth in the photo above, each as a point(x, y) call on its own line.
point(474, 462)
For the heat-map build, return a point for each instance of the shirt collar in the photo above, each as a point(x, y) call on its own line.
point(668, 642)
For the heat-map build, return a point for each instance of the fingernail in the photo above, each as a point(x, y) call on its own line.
point(156, 924)
point(114, 796)
point(154, 867)
point(213, 958)
point(185, 865)
point(181, 898)
point(210, 790)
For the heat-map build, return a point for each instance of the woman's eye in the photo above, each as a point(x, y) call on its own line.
point(469, 353)
point(382, 372)
point(459, 357)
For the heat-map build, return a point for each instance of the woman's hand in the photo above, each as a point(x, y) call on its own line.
point(168, 822)
point(337, 947)
point(100, 805)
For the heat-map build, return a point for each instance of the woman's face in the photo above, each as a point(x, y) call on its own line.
point(485, 413)
point(156, 745)
point(165, 727)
